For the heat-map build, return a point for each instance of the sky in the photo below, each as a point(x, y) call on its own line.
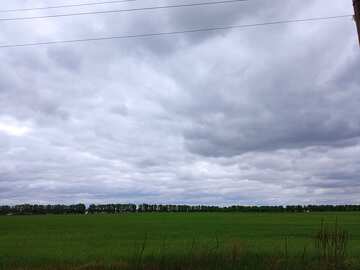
point(258, 116)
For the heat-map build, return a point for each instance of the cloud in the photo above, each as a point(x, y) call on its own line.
point(267, 115)
point(13, 128)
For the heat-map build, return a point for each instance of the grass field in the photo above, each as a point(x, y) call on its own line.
point(50, 240)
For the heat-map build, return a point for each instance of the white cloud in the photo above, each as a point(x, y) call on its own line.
point(13, 127)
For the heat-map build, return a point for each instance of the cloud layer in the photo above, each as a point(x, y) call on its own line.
point(268, 115)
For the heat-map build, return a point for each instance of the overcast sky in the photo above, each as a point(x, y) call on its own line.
point(267, 115)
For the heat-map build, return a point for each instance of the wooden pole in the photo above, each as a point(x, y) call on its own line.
point(357, 16)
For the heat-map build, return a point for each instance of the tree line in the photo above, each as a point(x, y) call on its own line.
point(36, 209)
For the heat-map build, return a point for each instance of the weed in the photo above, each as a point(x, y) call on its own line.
point(331, 243)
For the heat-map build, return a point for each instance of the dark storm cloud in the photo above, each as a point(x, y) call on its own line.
point(262, 116)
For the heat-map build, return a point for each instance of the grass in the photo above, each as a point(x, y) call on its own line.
point(156, 239)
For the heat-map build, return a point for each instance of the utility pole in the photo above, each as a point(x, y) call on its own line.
point(357, 16)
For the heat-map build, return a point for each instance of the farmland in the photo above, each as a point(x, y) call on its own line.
point(37, 241)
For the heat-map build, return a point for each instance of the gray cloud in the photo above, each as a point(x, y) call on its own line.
point(267, 115)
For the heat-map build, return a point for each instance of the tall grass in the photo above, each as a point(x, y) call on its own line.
point(331, 243)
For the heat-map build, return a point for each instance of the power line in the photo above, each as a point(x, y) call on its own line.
point(198, 30)
point(65, 6)
point(124, 10)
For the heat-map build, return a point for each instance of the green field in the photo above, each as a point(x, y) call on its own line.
point(42, 240)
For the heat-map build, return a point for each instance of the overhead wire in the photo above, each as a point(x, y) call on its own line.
point(65, 6)
point(123, 10)
point(198, 30)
